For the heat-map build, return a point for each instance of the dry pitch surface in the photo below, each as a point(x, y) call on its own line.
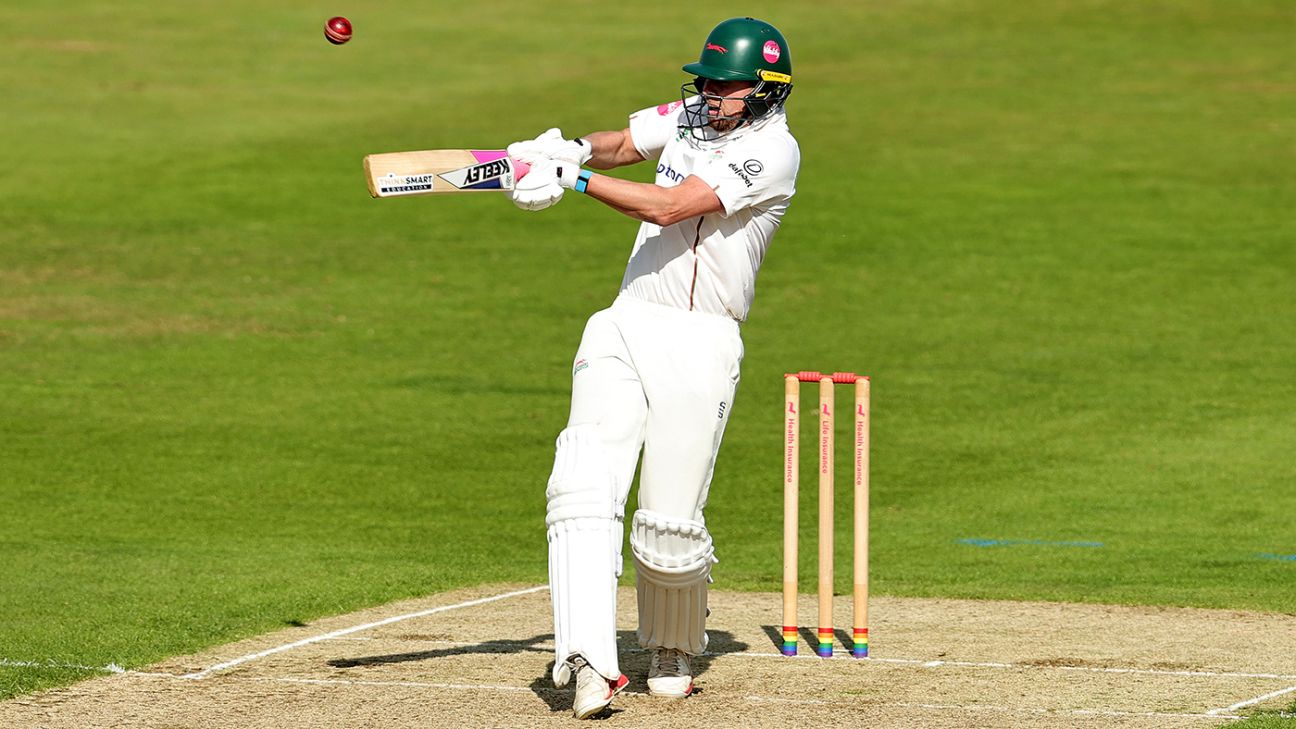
point(481, 658)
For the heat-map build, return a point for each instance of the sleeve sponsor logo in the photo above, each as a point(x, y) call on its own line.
point(741, 174)
point(771, 51)
point(722, 49)
point(753, 167)
point(665, 109)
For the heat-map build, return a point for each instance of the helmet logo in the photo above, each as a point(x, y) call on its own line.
point(771, 51)
point(722, 49)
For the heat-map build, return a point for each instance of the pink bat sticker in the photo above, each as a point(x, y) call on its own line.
point(520, 168)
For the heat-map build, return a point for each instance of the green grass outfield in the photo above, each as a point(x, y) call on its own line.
point(235, 392)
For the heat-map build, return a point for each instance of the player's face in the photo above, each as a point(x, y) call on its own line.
point(726, 112)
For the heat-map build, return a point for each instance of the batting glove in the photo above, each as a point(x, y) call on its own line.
point(552, 145)
point(539, 188)
point(571, 176)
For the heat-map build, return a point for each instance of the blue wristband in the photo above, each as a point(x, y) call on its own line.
point(582, 180)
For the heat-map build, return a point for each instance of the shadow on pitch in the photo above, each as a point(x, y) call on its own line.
point(808, 636)
point(633, 660)
point(530, 645)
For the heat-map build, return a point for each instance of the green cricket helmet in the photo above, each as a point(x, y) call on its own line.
point(743, 49)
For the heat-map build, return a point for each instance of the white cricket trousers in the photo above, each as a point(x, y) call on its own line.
point(646, 378)
point(661, 380)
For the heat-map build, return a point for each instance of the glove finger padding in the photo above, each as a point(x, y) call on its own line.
point(535, 150)
point(551, 145)
point(539, 189)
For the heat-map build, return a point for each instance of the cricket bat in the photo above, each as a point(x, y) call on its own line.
point(436, 171)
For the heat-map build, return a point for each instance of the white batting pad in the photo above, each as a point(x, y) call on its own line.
point(584, 553)
point(673, 558)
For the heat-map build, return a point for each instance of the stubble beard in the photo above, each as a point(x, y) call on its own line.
point(725, 125)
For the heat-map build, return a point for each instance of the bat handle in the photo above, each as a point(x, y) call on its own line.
point(520, 169)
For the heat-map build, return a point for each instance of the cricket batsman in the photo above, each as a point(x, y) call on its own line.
point(656, 372)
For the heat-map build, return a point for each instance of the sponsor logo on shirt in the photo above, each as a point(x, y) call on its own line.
point(669, 172)
point(741, 174)
point(580, 365)
point(665, 109)
point(753, 167)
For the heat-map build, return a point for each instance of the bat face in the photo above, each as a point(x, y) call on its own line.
point(436, 171)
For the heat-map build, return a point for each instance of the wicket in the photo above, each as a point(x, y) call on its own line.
point(791, 495)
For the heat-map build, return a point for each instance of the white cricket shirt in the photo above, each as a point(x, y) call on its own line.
point(709, 263)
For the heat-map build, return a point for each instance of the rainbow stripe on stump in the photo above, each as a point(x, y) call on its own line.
point(860, 650)
point(825, 649)
point(789, 641)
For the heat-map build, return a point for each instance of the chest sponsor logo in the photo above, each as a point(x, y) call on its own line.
point(741, 175)
point(669, 172)
point(753, 167)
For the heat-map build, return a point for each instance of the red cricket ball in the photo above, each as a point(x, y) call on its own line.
point(337, 30)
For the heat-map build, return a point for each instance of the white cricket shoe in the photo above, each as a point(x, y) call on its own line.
point(593, 692)
point(669, 674)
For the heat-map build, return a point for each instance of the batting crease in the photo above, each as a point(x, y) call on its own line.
point(1253, 702)
point(1219, 713)
point(847, 658)
point(1003, 709)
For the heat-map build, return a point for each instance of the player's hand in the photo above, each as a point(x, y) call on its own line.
point(552, 145)
point(539, 188)
point(566, 173)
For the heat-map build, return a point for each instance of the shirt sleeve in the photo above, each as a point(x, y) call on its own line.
point(652, 128)
point(752, 176)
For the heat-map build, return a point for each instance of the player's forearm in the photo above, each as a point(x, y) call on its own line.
point(640, 200)
point(612, 149)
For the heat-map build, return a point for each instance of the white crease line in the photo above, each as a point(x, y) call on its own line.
point(409, 684)
point(777, 700)
point(772, 699)
point(1211, 714)
point(1000, 709)
point(848, 658)
point(197, 675)
point(1216, 714)
point(110, 668)
point(1252, 702)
